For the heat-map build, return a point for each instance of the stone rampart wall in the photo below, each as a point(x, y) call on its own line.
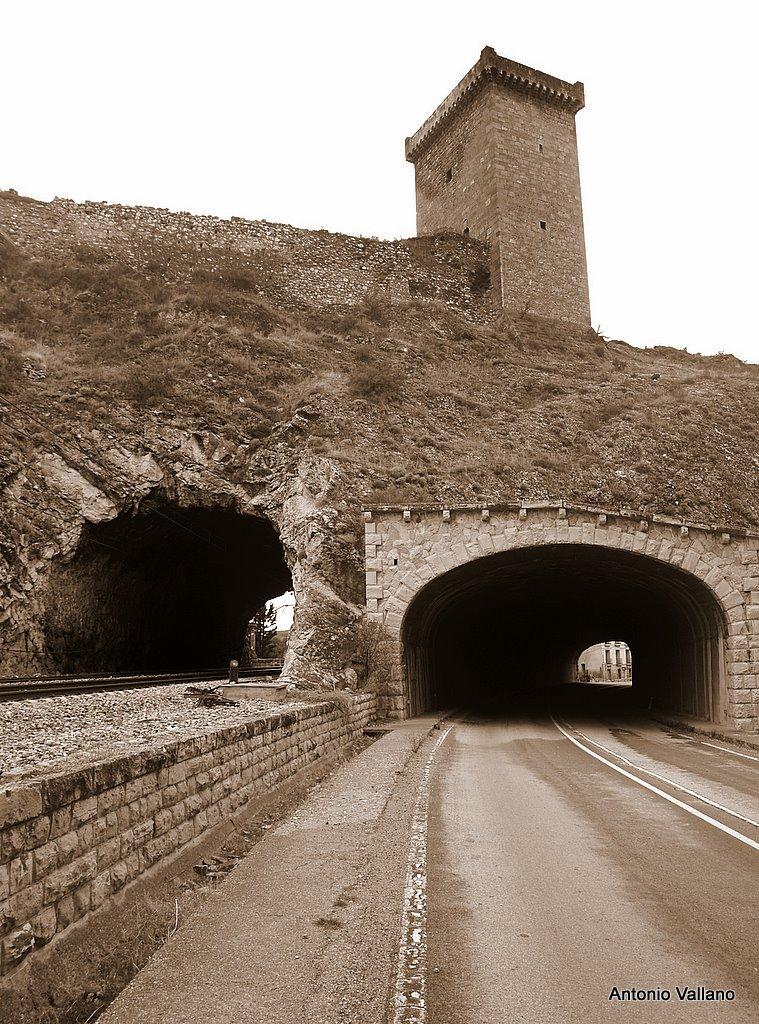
point(298, 267)
point(68, 841)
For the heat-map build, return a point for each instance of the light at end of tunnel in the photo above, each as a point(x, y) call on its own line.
point(284, 606)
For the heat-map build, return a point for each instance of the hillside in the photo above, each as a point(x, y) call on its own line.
point(116, 355)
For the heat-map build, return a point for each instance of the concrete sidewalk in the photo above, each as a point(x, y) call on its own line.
point(305, 928)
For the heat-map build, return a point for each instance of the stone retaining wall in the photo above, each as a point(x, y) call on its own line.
point(68, 841)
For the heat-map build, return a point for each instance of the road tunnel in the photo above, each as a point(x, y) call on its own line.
point(516, 621)
point(163, 589)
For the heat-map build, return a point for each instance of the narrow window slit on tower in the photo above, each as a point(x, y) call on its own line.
point(543, 225)
point(540, 147)
point(449, 175)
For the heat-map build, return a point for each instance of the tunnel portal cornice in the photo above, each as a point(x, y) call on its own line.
point(408, 548)
point(562, 509)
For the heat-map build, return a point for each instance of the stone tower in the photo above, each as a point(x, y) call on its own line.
point(498, 160)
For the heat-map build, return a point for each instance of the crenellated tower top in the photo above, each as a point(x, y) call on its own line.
point(497, 159)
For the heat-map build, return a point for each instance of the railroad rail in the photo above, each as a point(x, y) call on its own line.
point(25, 687)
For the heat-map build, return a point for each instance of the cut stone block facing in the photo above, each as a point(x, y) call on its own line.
point(154, 804)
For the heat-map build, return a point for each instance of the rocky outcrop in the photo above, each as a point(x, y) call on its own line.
point(48, 503)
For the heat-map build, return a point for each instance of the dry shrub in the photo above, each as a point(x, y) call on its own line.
point(11, 360)
point(17, 312)
point(312, 389)
point(376, 306)
point(363, 354)
point(243, 280)
point(207, 298)
point(373, 380)
point(388, 494)
point(550, 462)
point(146, 386)
point(352, 322)
point(598, 416)
point(375, 652)
point(506, 465)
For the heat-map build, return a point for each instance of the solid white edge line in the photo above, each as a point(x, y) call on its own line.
point(659, 792)
point(410, 991)
point(663, 778)
point(727, 750)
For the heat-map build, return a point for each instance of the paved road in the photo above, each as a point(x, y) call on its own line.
point(553, 877)
point(524, 860)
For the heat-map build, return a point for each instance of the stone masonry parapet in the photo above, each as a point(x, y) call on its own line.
point(485, 509)
point(71, 840)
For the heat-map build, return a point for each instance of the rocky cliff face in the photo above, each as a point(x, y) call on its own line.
point(52, 594)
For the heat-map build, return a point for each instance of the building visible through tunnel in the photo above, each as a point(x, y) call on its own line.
point(610, 661)
point(167, 588)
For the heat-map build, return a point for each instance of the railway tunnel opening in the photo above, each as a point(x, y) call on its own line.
point(168, 588)
point(515, 622)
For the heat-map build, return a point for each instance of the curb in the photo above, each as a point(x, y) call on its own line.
point(748, 740)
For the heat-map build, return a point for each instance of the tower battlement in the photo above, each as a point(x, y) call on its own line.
point(497, 159)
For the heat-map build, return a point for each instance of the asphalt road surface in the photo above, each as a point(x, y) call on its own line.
point(518, 865)
point(574, 850)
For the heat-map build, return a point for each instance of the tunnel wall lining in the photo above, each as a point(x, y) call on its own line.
point(405, 549)
point(70, 841)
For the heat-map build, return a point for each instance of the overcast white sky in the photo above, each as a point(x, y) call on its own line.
point(297, 112)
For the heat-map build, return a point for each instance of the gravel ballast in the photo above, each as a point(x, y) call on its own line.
point(51, 733)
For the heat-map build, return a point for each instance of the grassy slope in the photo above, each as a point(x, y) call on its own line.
point(415, 404)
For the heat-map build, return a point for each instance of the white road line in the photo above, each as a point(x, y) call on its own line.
point(410, 1000)
point(659, 792)
point(727, 750)
point(663, 778)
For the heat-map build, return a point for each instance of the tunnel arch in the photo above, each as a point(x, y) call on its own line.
point(165, 587)
point(535, 606)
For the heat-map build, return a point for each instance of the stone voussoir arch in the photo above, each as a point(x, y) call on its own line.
point(407, 549)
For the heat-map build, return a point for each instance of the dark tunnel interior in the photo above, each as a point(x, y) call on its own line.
point(165, 589)
point(517, 621)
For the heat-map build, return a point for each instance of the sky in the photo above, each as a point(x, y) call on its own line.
point(284, 606)
point(297, 112)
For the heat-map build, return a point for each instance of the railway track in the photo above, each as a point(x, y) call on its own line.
point(25, 687)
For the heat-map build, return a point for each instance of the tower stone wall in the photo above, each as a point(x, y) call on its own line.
point(497, 160)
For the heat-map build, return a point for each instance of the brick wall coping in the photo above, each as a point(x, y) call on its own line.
point(491, 67)
point(561, 507)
